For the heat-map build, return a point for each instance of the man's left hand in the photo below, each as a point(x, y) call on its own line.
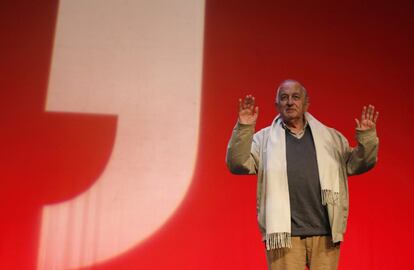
point(368, 118)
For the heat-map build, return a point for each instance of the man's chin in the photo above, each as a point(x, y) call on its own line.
point(290, 116)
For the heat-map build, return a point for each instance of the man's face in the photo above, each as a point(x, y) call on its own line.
point(292, 101)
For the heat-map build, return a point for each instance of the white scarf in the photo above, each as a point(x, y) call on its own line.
point(277, 204)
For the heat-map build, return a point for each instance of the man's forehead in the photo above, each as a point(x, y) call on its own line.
point(290, 87)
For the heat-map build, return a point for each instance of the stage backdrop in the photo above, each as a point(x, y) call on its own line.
point(115, 117)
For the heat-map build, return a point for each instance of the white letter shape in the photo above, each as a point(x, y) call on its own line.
point(140, 60)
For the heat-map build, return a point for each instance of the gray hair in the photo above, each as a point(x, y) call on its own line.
point(292, 81)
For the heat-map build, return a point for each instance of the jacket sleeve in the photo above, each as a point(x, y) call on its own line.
point(242, 155)
point(364, 156)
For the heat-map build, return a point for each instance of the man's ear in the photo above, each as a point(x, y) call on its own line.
point(307, 105)
point(277, 107)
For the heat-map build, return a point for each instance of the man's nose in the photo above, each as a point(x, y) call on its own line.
point(290, 101)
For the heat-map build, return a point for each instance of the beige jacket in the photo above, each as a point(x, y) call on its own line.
point(245, 153)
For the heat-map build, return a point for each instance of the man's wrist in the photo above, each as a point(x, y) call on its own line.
point(366, 134)
point(245, 126)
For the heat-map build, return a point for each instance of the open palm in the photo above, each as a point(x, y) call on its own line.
point(248, 112)
point(368, 118)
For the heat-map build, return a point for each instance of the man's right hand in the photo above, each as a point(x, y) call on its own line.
point(248, 112)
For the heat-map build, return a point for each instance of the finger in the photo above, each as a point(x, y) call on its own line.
point(240, 104)
point(363, 114)
point(371, 110)
point(368, 112)
point(376, 117)
point(358, 125)
point(248, 99)
point(246, 102)
point(256, 111)
point(252, 102)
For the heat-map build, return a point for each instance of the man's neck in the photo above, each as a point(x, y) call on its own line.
point(295, 125)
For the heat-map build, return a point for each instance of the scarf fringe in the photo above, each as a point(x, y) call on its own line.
point(330, 197)
point(278, 240)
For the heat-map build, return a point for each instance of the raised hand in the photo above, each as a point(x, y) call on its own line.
point(368, 118)
point(248, 112)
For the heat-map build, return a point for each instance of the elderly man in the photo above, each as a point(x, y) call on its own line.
point(302, 168)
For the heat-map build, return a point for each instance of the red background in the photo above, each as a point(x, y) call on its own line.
point(346, 54)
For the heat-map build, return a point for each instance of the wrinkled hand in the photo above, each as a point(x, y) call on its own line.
point(368, 118)
point(248, 112)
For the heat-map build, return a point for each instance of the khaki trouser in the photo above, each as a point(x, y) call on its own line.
point(314, 252)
